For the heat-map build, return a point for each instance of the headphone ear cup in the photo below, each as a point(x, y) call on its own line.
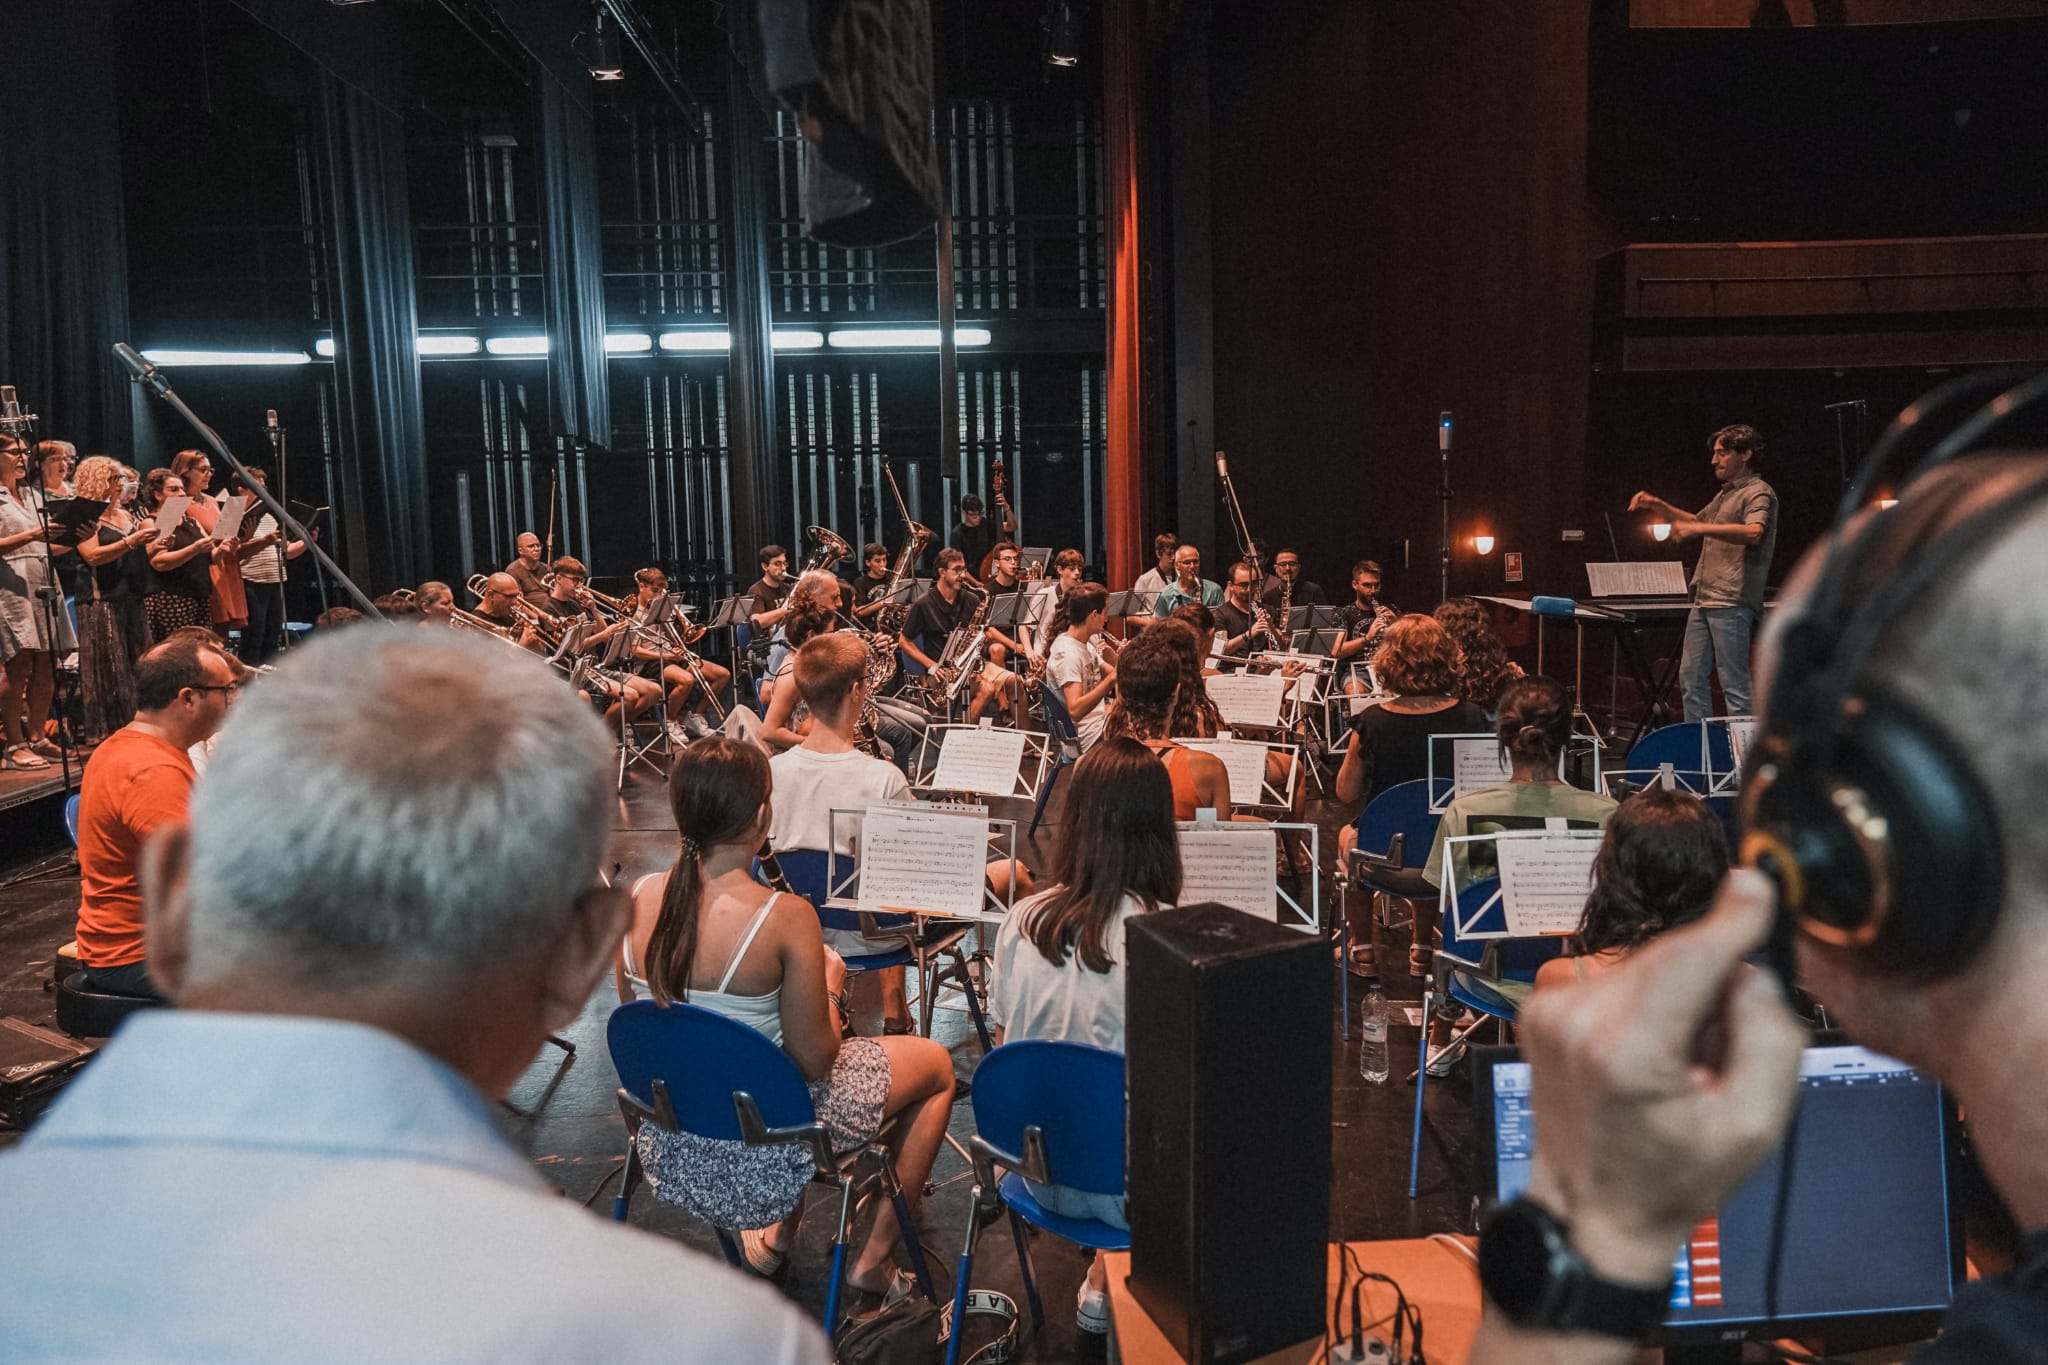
point(1894, 838)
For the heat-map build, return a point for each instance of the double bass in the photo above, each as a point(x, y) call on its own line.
point(999, 490)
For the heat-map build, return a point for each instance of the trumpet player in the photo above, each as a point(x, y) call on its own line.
point(661, 649)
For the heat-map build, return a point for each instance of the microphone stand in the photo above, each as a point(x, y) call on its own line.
point(52, 592)
point(152, 378)
point(1443, 493)
point(284, 563)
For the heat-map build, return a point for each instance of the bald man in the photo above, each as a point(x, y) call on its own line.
point(526, 570)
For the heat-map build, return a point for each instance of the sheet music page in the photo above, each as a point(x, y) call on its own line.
point(1637, 578)
point(1477, 764)
point(230, 520)
point(1741, 730)
point(979, 760)
point(171, 514)
point(1544, 879)
point(1246, 761)
point(923, 861)
point(1247, 698)
point(1230, 863)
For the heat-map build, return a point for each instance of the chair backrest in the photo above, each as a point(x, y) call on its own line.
point(1059, 724)
point(808, 872)
point(1403, 809)
point(71, 818)
point(1073, 1094)
point(702, 1059)
point(1679, 745)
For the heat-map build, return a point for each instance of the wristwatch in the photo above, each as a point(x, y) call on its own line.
point(1530, 1270)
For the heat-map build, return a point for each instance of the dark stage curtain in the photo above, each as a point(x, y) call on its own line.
point(382, 435)
point(579, 395)
point(63, 246)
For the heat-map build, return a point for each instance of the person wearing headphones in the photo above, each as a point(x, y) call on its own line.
point(1888, 810)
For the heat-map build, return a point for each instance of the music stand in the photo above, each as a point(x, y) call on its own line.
point(1130, 603)
point(1028, 555)
point(1303, 913)
point(1030, 774)
point(1005, 609)
point(842, 871)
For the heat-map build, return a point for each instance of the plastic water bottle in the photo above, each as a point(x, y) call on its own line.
point(1372, 1033)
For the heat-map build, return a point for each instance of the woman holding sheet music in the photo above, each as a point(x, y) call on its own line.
point(33, 627)
point(180, 566)
point(227, 601)
point(1058, 971)
point(706, 933)
point(112, 631)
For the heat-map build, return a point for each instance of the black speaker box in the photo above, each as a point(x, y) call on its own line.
point(1228, 1046)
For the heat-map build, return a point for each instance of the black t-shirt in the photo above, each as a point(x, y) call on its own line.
point(863, 586)
point(766, 596)
point(193, 578)
point(933, 618)
point(1999, 1318)
point(1394, 745)
point(1306, 594)
point(555, 606)
point(504, 622)
point(1234, 623)
point(973, 541)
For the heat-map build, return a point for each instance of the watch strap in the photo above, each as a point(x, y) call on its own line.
point(1615, 1310)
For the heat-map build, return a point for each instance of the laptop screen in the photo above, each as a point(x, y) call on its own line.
point(1870, 1226)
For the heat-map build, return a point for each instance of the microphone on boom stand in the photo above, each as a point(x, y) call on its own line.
point(1444, 422)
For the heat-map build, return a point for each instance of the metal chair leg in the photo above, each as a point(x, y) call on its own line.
point(731, 1249)
point(1421, 1084)
point(622, 1203)
point(1024, 1265)
point(963, 1270)
point(904, 1222)
point(838, 1255)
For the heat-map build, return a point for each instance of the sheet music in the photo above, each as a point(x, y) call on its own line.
point(1544, 879)
point(979, 760)
point(1246, 762)
point(1477, 764)
point(1230, 863)
point(1741, 730)
point(923, 861)
point(171, 515)
point(1247, 698)
point(229, 523)
point(1637, 578)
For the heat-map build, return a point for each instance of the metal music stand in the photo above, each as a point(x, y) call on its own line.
point(842, 871)
point(1130, 603)
point(1268, 796)
point(1039, 750)
point(1304, 913)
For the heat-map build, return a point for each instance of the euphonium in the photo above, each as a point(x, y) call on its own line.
point(826, 549)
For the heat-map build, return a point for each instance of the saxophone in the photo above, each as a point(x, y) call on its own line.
point(1286, 641)
point(957, 662)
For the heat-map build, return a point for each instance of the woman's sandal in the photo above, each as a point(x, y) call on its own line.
point(24, 758)
point(764, 1260)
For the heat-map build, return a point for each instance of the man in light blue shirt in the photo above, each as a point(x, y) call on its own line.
point(386, 900)
point(1188, 585)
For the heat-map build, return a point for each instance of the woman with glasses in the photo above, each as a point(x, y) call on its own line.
point(34, 630)
point(227, 598)
point(180, 581)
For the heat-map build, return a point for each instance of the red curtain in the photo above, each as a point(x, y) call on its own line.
point(1123, 100)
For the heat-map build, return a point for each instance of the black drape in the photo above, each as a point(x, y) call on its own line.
point(579, 397)
point(382, 435)
point(63, 247)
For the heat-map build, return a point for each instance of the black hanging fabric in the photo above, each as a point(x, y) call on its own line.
point(380, 429)
point(579, 393)
point(858, 74)
point(63, 244)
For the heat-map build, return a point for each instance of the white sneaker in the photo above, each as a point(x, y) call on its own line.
point(1091, 1310)
point(1440, 1065)
point(678, 735)
point(695, 726)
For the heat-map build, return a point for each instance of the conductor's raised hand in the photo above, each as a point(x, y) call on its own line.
point(1659, 1086)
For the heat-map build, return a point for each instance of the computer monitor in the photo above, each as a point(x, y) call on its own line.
point(1873, 1240)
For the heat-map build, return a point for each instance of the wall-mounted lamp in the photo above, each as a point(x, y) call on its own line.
point(1660, 530)
point(1887, 503)
point(1483, 544)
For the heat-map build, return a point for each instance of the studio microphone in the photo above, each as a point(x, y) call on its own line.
point(270, 419)
point(141, 368)
point(1443, 432)
point(1222, 466)
point(10, 410)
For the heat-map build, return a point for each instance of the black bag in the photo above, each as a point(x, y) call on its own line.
point(35, 1063)
point(914, 1331)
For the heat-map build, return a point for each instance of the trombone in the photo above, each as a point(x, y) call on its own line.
point(550, 629)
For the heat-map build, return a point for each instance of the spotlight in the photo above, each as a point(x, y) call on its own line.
point(1483, 544)
point(598, 46)
point(1062, 34)
point(1660, 530)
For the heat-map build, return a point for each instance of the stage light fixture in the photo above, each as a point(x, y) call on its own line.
point(1062, 34)
point(598, 47)
point(177, 357)
point(446, 345)
point(710, 339)
point(796, 339)
point(904, 338)
point(1483, 544)
point(1660, 530)
point(516, 346)
point(627, 343)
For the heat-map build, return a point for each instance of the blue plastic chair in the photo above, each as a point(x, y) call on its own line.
point(1050, 1112)
point(1679, 745)
point(689, 1070)
point(1395, 830)
point(808, 874)
point(1063, 732)
point(71, 818)
point(1464, 960)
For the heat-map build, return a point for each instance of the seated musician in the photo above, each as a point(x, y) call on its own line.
point(948, 606)
point(767, 600)
point(666, 653)
point(1188, 585)
point(814, 611)
point(1484, 669)
point(1010, 645)
point(1076, 663)
point(873, 577)
point(437, 601)
point(1361, 623)
point(1287, 570)
point(1148, 687)
point(1246, 625)
point(526, 572)
point(569, 600)
point(1153, 581)
point(1201, 624)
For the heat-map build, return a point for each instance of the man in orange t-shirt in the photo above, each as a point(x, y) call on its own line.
point(138, 780)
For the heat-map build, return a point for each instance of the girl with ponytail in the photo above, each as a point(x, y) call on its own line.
point(706, 933)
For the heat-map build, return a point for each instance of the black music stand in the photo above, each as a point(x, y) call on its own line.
point(1130, 603)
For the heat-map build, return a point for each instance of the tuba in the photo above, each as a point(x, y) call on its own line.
point(888, 623)
point(827, 549)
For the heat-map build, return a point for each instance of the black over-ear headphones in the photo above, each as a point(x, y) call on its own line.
point(1881, 837)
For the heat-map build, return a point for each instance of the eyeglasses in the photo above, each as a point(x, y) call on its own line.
point(216, 687)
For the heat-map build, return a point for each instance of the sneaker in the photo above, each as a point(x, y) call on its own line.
point(678, 735)
point(1440, 1065)
point(1091, 1310)
point(695, 726)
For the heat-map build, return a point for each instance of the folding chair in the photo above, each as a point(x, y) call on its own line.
point(1050, 1112)
point(1462, 961)
point(806, 871)
point(689, 1070)
point(1061, 730)
point(1395, 830)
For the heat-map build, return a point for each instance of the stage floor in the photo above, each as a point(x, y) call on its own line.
point(576, 1138)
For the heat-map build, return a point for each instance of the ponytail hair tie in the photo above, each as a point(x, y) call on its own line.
point(691, 848)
